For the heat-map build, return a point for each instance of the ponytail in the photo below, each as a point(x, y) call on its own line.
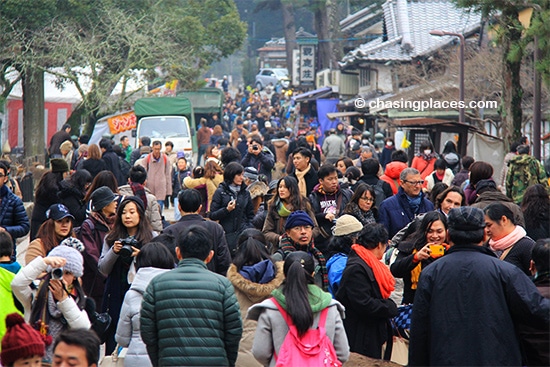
point(298, 269)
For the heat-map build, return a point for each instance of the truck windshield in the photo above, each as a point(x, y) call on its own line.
point(164, 127)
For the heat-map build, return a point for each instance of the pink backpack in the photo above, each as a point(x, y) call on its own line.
point(313, 349)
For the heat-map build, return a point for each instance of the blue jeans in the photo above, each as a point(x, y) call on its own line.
point(161, 204)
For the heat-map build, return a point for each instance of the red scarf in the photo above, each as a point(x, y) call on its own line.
point(383, 276)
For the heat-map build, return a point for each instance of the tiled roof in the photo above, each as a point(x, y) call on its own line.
point(408, 23)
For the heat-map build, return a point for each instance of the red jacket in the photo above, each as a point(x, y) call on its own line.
point(391, 174)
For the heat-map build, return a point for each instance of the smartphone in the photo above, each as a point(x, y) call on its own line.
point(232, 202)
point(437, 251)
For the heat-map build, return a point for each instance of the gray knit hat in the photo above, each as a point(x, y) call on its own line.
point(75, 262)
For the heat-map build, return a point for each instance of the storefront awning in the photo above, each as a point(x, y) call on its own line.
point(313, 95)
point(335, 115)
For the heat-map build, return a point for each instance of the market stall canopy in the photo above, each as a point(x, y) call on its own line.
point(324, 92)
point(336, 115)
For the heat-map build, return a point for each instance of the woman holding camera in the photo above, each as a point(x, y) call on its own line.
point(426, 246)
point(122, 244)
point(232, 205)
point(58, 302)
point(57, 227)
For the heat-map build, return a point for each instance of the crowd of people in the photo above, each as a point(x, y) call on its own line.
point(275, 236)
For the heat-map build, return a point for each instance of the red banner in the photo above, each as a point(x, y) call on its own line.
point(122, 122)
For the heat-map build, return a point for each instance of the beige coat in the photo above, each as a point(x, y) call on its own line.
point(211, 185)
point(248, 294)
point(159, 175)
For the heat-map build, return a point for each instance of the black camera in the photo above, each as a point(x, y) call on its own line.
point(127, 243)
point(57, 273)
point(255, 148)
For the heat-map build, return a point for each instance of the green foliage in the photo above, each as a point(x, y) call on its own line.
point(248, 65)
point(106, 41)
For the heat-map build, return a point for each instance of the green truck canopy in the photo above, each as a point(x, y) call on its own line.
point(163, 106)
point(205, 100)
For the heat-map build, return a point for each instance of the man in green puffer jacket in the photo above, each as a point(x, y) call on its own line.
point(190, 315)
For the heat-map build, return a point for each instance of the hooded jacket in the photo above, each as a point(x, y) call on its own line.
point(391, 174)
point(272, 328)
point(128, 328)
point(249, 293)
point(453, 161)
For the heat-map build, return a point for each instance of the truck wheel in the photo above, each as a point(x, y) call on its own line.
point(259, 86)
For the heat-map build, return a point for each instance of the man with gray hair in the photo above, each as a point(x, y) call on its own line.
point(365, 153)
point(468, 303)
point(400, 209)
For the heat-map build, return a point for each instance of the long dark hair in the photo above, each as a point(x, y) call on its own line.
point(251, 248)
point(425, 225)
point(298, 269)
point(144, 232)
point(80, 179)
point(103, 178)
point(48, 185)
point(296, 200)
point(41, 299)
point(535, 206)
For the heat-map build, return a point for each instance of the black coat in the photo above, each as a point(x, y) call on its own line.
point(222, 259)
point(236, 221)
point(72, 198)
point(94, 166)
point(111, 160)
point(263, 162)
point(342, 198)
point(311, 179)
point(367, 321)
point(466, 307)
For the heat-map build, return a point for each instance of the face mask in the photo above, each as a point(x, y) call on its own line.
point(389, 143)
point(427, 151)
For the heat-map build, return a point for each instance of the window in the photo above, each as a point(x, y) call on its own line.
point(364, 77)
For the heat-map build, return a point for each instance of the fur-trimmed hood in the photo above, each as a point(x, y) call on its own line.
point(255, 292)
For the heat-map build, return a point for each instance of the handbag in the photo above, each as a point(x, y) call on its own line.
point(116, 359)
point(402, 322)
point(400, 351)
point(100, 321)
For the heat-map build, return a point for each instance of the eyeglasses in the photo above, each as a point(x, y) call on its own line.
point(367, 199)
point(302, 228)
point(2, 175)
point(415, 183)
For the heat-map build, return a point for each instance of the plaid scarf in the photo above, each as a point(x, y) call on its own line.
point(139, 191)
point(287, 245)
